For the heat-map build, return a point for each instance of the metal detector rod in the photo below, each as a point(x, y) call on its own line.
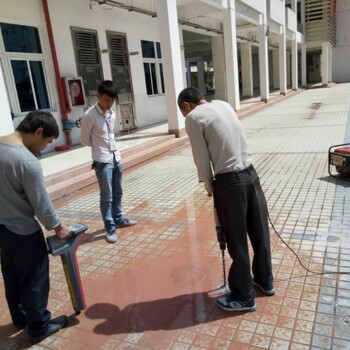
point(222, 244)
point(66, 249)
point(222, 248)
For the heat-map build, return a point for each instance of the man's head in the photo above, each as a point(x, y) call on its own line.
point(106, 94)
point(189, 99)
point(38, 129)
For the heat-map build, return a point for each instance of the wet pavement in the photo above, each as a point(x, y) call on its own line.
point(156, 287)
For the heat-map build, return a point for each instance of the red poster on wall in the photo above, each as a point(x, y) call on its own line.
point(75, 91)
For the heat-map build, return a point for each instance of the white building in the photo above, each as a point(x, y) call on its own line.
point(54, 53)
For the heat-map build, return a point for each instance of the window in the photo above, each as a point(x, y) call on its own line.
point(20, 38)
point(153, 67)
point(25, 72)
point(148, 49)
point(31, 90)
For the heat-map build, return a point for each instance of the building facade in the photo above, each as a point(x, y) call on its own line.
point(53, 54)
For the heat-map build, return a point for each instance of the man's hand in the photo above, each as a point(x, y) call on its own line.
point(221, 237)
point(62, 232)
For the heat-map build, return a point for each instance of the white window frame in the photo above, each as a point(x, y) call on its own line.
point(28, 60)
point(157, 61)
point(7, 57)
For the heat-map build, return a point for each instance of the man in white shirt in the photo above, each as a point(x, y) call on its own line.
point(97, 131)
point(224, 164)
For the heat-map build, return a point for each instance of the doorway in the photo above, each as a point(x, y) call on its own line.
point(120, 67)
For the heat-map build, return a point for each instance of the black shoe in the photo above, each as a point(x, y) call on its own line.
point(60, 320)
point(55, 325)
point(266, 288)
point(227, 303)
point(51, 329)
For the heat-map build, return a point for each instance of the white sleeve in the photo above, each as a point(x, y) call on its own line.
point(200, 153)
point(85, 130)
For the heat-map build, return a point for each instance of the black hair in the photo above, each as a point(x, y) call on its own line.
point(39, 119)
point(189, 94)
point(107, 87)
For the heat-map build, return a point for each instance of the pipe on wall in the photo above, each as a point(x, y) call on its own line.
point(61, 95)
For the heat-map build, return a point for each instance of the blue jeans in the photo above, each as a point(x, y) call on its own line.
point(109, 176)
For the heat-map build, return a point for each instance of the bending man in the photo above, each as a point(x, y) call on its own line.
point(23, 202)
point(224, 164)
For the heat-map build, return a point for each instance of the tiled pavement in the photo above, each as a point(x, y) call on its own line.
point(156, 287)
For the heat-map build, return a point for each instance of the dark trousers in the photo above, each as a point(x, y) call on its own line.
point(25, 268)
point(241, 208)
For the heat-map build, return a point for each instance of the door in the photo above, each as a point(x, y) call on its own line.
point(120, 68)
point(88, 59)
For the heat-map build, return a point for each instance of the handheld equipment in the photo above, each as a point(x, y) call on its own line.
point(67, 251)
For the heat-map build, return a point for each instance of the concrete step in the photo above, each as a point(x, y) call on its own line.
point(63, 183)
point(257, 106)
point(86, 167)
point(137, 148)
point(62, 176)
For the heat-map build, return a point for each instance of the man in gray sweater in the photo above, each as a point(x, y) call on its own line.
point(23, 202)
point(224, 164)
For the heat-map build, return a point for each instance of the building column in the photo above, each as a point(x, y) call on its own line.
point(293, 5)
point(330, 48)
point(188, 74)
point(263, 63)
point(288, 67)
point(294, 64)
point(201, 78)
point(231, 59)
point(283, 63)
point(275, 68)
point(303, 65)
point(217, 44)
point(172, 63)
point(247, 69)
point(183, 60)
point(325, 63)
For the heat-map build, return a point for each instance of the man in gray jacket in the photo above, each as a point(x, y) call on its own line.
point(224, 164)
point(23, 202)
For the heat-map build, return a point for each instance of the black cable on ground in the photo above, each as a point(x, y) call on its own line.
point(300, 262)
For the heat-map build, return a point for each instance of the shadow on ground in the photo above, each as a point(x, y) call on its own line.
point(178, 312)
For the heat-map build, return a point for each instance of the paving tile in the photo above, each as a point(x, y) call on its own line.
point(180, 346)
point(283, 333)
point(302, 337)
point(321, 341)
point(243, 337)
point(261, 341)
point(265, 329)
point(225, 333)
